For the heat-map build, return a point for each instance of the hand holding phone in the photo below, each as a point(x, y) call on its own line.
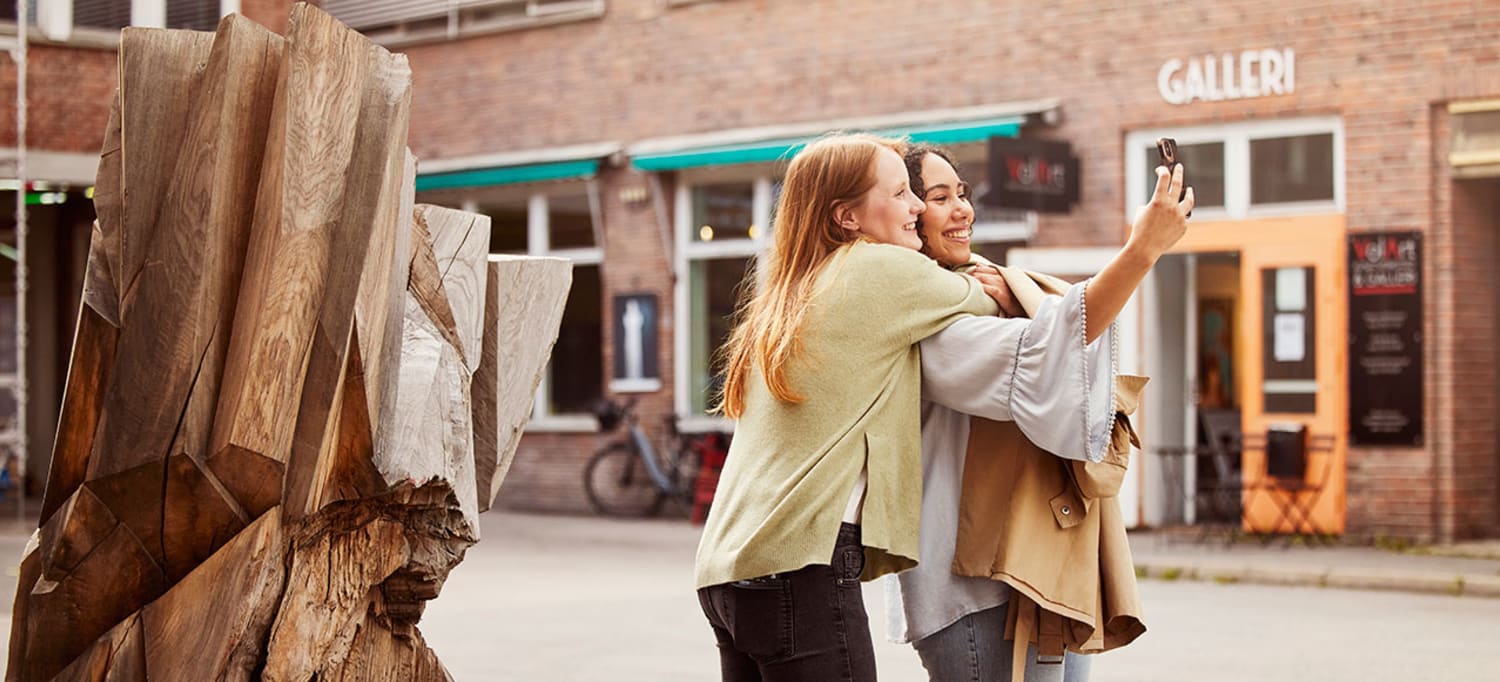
point(1166, 154)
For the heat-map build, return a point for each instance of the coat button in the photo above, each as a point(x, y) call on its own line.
point(1066, 510)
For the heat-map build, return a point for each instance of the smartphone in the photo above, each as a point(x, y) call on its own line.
point(1166, 154)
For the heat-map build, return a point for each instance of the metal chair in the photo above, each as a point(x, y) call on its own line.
point(1297, 466)
point(1222, 490)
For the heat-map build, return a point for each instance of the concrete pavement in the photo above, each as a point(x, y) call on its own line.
point(573, 598)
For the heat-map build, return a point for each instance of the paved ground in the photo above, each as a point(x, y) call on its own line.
point(546, 598)
point(556, 598)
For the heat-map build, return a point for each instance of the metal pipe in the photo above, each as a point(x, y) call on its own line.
point(23, 36)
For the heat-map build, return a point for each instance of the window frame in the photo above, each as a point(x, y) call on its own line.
point(686, 250)
point(538, 243)
point(1236, 138)
point(143, 13)
point(456, 26)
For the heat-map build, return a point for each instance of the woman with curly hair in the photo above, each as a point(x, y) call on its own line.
point(1065, 350)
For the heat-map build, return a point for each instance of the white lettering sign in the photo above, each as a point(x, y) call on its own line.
point(1215, 78)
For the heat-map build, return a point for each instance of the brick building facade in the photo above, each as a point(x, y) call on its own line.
point(615, 131)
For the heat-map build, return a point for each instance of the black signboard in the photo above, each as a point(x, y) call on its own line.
point(636, 357)
point(1385, 338)
point(1032, 175)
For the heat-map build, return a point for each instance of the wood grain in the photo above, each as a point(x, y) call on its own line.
point(309, 148)
point(524, 301)
point(213, 624)
point(371, 185)
point(459, 243)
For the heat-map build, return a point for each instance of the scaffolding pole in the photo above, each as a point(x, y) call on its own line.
point(19, 56)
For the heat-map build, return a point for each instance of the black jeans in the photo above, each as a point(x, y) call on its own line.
point(807, 625)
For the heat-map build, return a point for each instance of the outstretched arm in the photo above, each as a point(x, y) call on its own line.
point(1158, 226)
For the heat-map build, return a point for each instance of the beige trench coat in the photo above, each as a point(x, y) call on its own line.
point(1050, 527)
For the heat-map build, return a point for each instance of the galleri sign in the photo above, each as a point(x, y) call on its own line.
point(1228, 76)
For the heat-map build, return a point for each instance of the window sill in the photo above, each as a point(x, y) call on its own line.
point(634, 385)
point(705, 424)
point(81, 37)
point(563, 423)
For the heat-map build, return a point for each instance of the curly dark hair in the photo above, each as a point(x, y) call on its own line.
point(913, 157)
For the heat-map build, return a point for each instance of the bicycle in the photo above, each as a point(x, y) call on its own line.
point(629, 476)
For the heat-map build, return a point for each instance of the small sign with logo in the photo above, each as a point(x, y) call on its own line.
point(1032, 175)
point(1385, 338)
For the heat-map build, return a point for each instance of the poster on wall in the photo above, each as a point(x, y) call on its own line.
point(636, 363)
point(1385, 339)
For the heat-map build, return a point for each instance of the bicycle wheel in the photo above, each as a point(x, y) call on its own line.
point(616, 483)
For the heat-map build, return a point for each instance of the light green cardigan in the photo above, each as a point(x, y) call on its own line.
point(791, 468)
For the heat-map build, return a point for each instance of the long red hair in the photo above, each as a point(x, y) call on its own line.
point(836, 170)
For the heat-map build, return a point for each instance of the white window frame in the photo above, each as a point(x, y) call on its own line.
point(1236, 138)
point(54, 19)
point(686, 250)
point(538, 243)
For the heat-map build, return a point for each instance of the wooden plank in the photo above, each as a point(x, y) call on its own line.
point(83, 401)
point(460, 241)
point(425, 280)
point(371, 198)
point(159, 71)
point(431, 431)
point(387, 380)
point(382, 289)
point(524, 301)
point(101, 283)
point(96, 330)
point(118, 656)
point(213, 624)
point(198, 516)
point(94, 574)
point(158, 76)
point(161, 394)
point(309, 149)
point(27, 575)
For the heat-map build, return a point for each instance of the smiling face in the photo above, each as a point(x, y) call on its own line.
point(947, 216)
point(887, 213)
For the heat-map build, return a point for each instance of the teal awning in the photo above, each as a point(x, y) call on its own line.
point(777, 150)
point(509, 175)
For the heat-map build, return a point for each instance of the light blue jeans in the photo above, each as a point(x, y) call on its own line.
point(975, 649)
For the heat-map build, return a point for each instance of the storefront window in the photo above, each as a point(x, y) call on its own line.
point(715, 285)
point(722, 226)
point(107, 14)
point(1204, 166)
point(724, 211)
point(8, 11)
point(507, 227)
point(1251, 169)
point(570, 224)
point(576, 373)
point(1289, 169)
point(560, 224)
point(197, 15)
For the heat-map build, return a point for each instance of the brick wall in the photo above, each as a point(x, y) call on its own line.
point(67, 98)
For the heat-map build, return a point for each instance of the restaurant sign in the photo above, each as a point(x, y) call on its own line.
point(1385, 338)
